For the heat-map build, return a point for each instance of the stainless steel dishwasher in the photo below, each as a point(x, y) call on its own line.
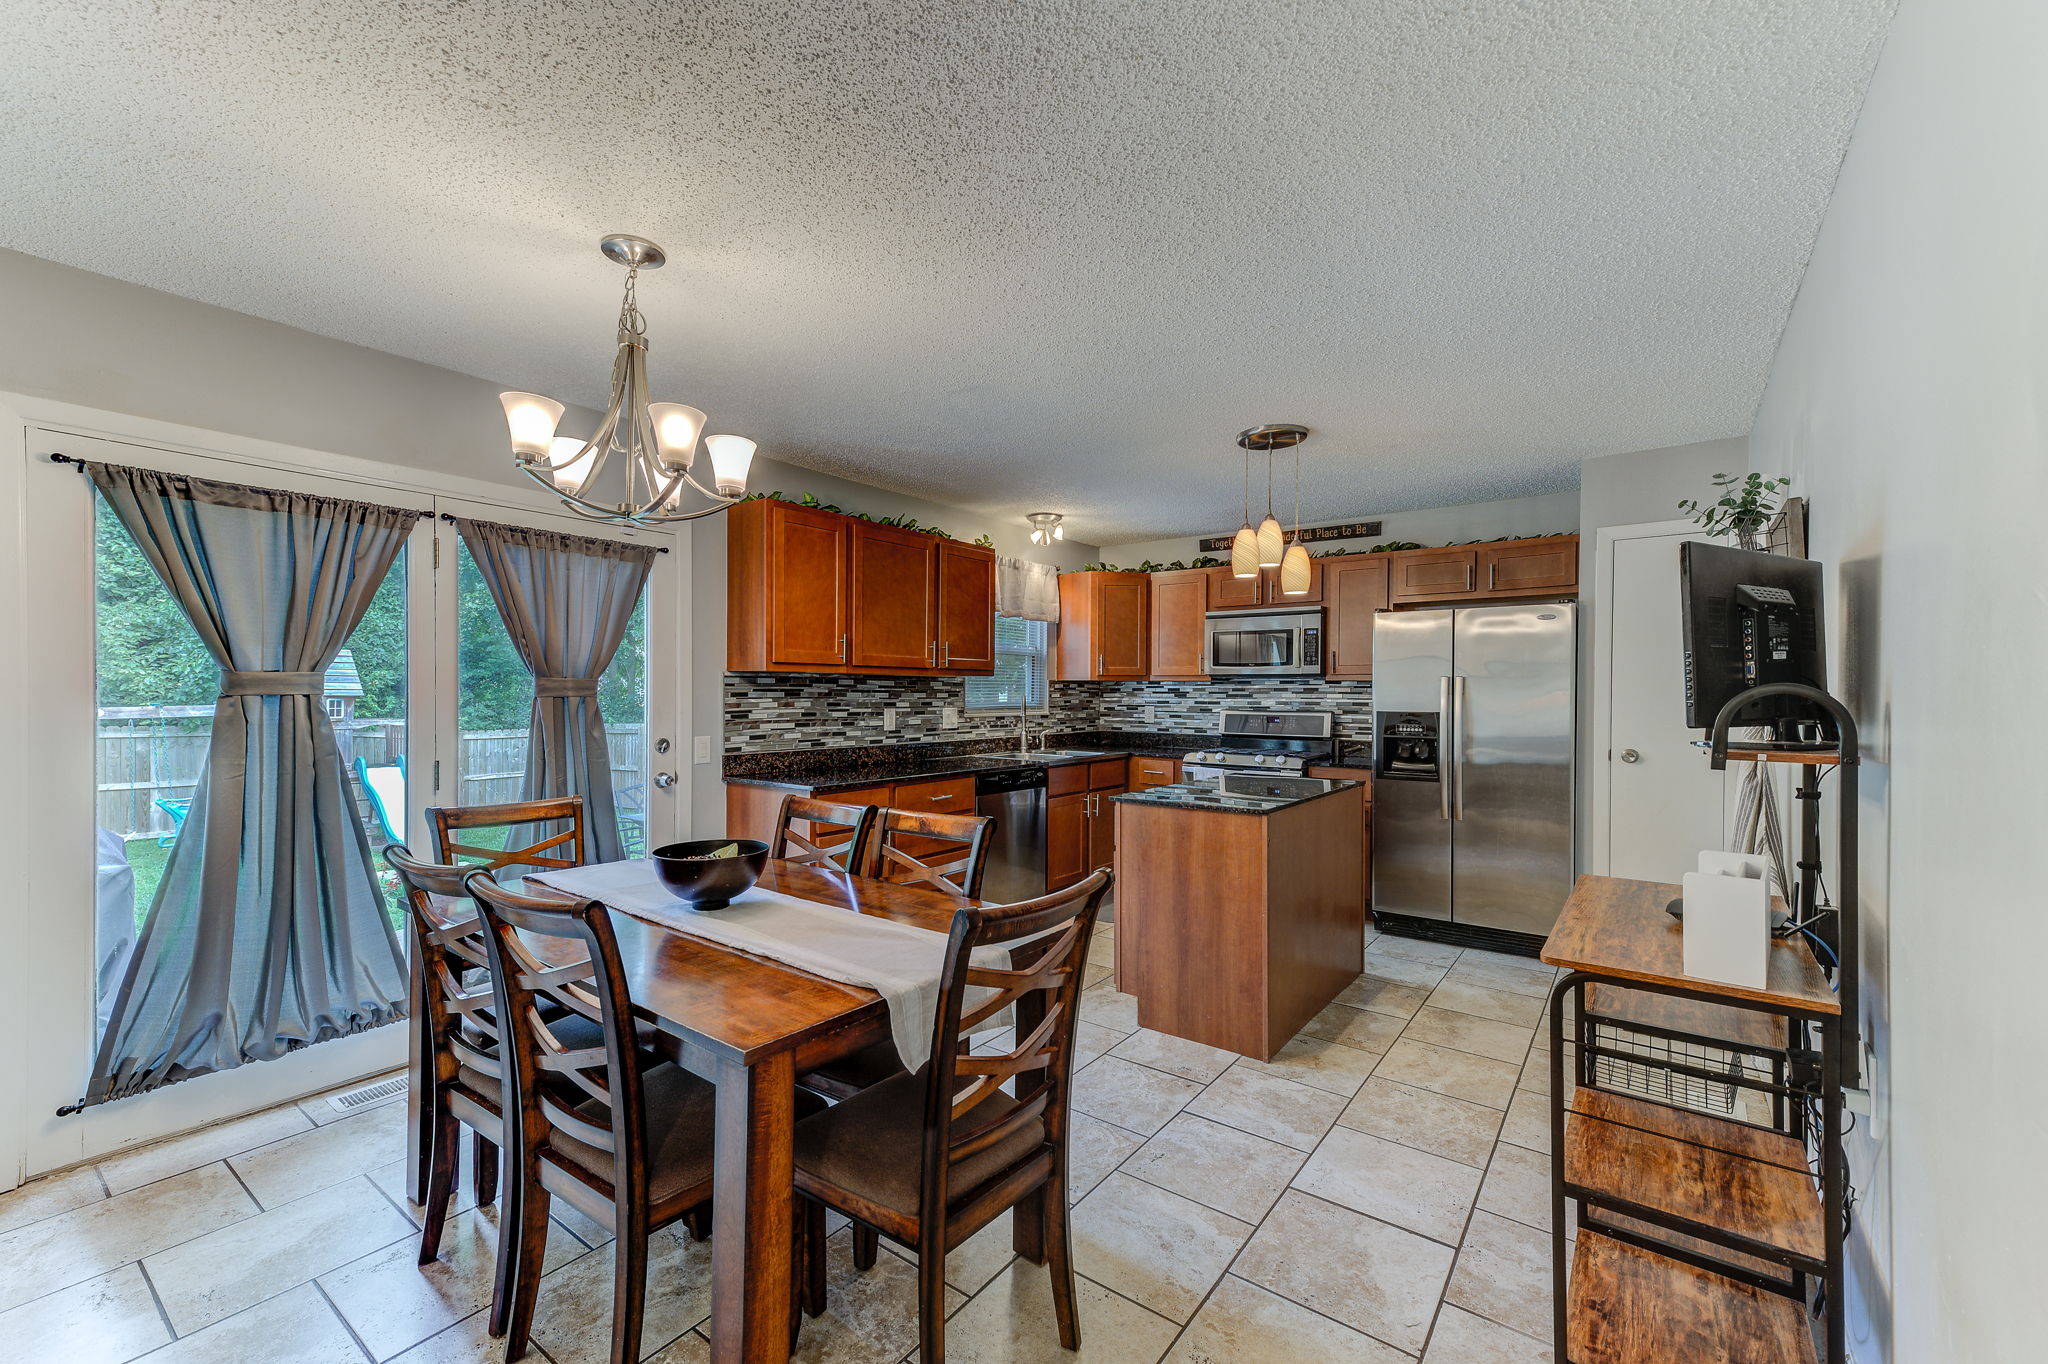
point(1015, 798)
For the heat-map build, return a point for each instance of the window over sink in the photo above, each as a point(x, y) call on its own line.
point(1023, 663)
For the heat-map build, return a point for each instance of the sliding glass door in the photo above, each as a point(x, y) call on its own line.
point(428, 701)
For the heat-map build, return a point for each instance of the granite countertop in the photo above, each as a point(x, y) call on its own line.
point(829, 769)
point(1246, 795)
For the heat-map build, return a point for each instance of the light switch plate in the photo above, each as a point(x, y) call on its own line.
point(889, 719)
point(703, 749)
point(949, 717)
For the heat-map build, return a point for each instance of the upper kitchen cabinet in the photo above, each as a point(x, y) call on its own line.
point(1544, 566)
point(1104, 626)
point(1180, 605)
point(809, 590)
point(1420, 575)
point(1355, 586)
point(966, 606)
point(1521, 568)
point(895, 608)
point(1228, 593)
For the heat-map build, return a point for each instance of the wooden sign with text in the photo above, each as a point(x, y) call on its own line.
point(1357, 530)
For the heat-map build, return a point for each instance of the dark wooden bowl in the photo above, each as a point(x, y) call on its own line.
point(710, 883)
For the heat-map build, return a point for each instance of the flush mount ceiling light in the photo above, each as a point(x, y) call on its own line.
point(1267, 547)
point(657, 441)
point(1046, 527)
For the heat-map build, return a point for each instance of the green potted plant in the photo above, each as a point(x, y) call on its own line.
point(1742, 508)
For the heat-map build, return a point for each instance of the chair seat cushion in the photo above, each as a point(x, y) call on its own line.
point(680, 1110)
point(871, 1145)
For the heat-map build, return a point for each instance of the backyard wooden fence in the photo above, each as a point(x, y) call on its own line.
point(141, 762)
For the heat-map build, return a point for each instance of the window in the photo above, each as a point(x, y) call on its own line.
point(1022, 663)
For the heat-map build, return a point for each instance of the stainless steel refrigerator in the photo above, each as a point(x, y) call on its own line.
point(1473, 712)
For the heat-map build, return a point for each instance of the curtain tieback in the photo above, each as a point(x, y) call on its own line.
point(272, 684)
point(564, 686)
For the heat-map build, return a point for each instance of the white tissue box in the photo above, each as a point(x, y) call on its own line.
point(1727, 928)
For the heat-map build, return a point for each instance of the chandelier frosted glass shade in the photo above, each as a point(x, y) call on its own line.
point(530, 420)
point(655, 442)
point(1294, 570)
point(676, 427)
point(1244, 553)
point(731, 458)
point(1272, 542)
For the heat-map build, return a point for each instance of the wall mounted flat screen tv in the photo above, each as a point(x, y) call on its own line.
point(1750, 618)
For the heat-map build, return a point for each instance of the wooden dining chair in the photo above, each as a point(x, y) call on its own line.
point(462, 1073)
point(564, 848)
point(930, 1158)
point(630, 1150)
point(832, 835)
point(946, 852)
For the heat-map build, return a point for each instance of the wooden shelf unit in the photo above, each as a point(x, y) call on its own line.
point(1699, 1234)
point(1633, 1306)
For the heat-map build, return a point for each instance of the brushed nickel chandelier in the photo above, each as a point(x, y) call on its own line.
point(657, 441)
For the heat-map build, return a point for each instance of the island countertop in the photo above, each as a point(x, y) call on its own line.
point(1248, 794)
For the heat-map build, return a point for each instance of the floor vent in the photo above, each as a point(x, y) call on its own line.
point(369, 1096)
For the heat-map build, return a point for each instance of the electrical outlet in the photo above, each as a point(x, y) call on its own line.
point(703, 748)
point(889, 719)
point(949, 717)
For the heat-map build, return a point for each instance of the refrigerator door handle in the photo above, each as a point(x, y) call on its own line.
point(1446, 754)
point(1458, 748)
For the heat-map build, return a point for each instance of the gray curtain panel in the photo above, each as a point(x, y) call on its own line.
point(566, 601)
point(268, 932)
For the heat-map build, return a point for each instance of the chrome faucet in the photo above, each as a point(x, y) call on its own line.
point(1023, 723)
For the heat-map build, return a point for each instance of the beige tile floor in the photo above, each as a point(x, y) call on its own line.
point(1377, 1193)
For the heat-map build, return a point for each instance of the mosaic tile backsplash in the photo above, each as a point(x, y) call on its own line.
point(764, 712)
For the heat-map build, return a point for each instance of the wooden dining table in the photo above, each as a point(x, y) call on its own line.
point(751, 1025)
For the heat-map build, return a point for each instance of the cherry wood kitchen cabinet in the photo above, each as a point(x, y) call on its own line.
point(1147, 772)
point(966, 598)
point(895, 612)
point(1359, 774)
point(1355, 588)
point(1521, 568)
point(1180, 638)
point(1080, 818)
point(808, 590)
point(1419, 575)
point(1229, 593)
point(1105, 620)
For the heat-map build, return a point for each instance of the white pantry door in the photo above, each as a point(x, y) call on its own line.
point(1657, 803)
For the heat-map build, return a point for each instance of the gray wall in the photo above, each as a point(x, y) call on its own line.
point(83, 338)
point(1907, 401)
point(1549, 514)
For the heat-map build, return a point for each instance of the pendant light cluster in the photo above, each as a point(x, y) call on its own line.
point(1268, 546)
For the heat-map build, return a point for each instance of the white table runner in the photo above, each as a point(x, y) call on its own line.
point(897, 961)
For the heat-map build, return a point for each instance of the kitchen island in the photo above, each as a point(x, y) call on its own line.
point(1240, 910)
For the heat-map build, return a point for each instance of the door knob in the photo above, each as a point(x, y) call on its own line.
point(1629, 755)
point(664, 780)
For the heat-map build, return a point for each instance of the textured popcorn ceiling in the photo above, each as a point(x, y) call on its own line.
point(1011, 256)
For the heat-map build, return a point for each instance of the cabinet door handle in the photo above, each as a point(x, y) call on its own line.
point(1468, 577)
point(946, 654)
point(1493, 575)
point(1098, 664)
point(842, 648)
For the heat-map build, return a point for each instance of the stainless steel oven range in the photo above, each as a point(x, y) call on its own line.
point(1265, 742)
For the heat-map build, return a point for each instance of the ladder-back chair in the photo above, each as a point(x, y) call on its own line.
point(930, 1158)
point(832, 835)
point(945, 852)
point(563, 849)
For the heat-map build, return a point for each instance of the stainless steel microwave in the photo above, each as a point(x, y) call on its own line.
point(1272, 644)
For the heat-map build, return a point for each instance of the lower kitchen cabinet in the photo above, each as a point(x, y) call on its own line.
point(1364, 775)
point(1080, 820)
point(1147, 772)
point(1066, 839)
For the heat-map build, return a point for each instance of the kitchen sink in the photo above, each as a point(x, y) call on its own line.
point(1073, 753)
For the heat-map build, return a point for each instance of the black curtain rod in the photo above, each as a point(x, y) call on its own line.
point(73, 459)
